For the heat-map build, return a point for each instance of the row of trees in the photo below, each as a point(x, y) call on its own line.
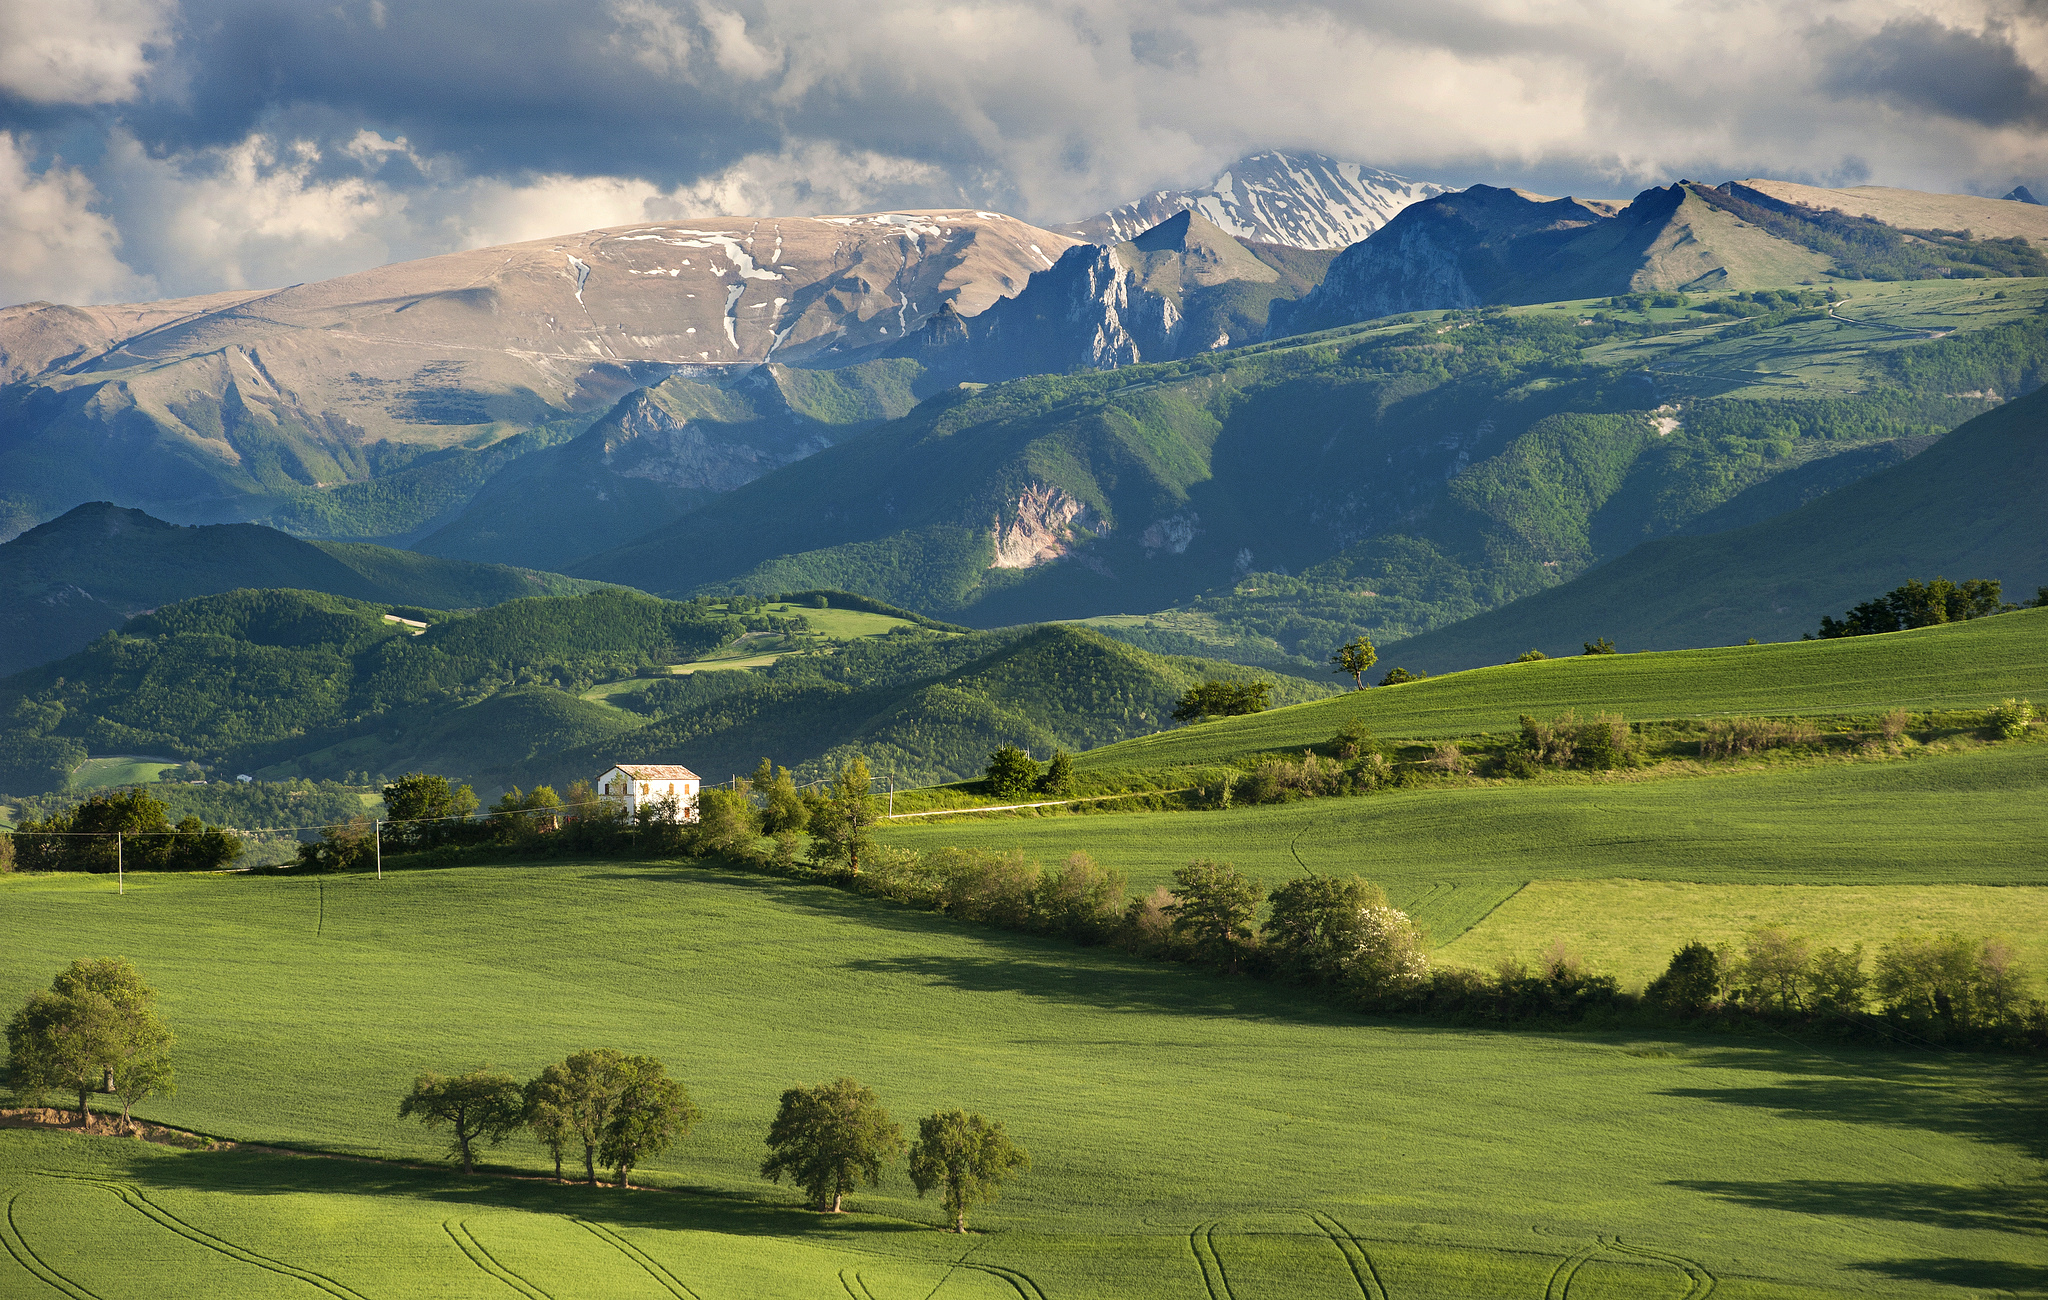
point(1921, 604)
point(622, 1110)
point(129, 829)
point(96, 1029)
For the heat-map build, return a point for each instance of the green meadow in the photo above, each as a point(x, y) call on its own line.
point(1192, 1135)
point(1954, 666)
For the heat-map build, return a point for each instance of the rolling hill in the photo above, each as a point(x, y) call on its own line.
point(1967, 507)
point(88, 572)
point(292, 683)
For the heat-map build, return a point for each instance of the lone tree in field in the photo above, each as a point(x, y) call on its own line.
point(1355, 657)
point(96, 1029)
point(1011, 771)
point(1059, 774)
point(966, 1157)
point(1215, 907)
point(830, 1139)
point(478, 1106)
point(653, 1111)
point(1222, 700)
point(843, 828)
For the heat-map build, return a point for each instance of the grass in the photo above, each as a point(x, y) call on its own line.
point(1451, 854)
point(1184, 1125)
point(1630, 928)
point(1959, 665)
point(118, 769)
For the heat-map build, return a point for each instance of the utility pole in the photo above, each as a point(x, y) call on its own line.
point(120, 868)
point(377, 829)
point(892, 789)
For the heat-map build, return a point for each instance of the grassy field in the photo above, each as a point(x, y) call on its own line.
point(1958, 665)
point(1630, 928)
point(1452, 855)
point(1191, 1134)
point(118, 769)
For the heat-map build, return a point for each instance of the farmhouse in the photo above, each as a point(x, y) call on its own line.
point(634, 786)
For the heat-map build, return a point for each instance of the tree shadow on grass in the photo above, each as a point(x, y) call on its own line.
point(1988, 1274)
point(245, 1172)
point(1995, 1207)
point(1989, 1099)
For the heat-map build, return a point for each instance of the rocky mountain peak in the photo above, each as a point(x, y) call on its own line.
point(1296, 200)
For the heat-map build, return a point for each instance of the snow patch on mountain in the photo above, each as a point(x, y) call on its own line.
point(1302, 200)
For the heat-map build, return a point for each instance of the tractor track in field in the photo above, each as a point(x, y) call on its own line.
point(1202, 1245)
point(1355, 1255)
point(1021, 1283)
point(1702, 1280)
point(133, 1198)
point(38, 1268)
point(855, 1286)
point(1560, 1285)
point(459, 1232)
point(648, 1264)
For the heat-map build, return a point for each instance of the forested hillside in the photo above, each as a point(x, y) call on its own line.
point(293, 683)
point(64, 583)
point(1968, 507)
point(1394, 477)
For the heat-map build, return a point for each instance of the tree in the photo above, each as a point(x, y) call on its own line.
point(587, 1090)
point(1600, 647)
point(653, 1110)
point(1011, 772)
point(783, 809)
point(1354, 657)
point(1531, 657)
point(1691, 983)
point(1396, 676)
point(1215, 907)
point(1315, 925)
point(966, 1157)
point(417, 801)
point(548, 1104)
point(1774, 965)
point(476, 1106)
point(1217, 699)
point(1059, 774)
point(727, 823)
point(522, 816)
point(1917, 604)
point(95, 1029)
point(842, 827)
point(83, 838)
point(350, 846)
point(829, 1139)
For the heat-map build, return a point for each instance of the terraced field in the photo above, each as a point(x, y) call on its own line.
point(1193, 1135)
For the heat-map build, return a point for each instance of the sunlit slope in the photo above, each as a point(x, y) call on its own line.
point(1490, 1161)
point(1960, 665)
point(1968, 507)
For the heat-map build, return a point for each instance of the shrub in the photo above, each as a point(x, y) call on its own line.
point(1446, 758)
point(1600, 647)
point(1740, 737)
point(1391, 952)
point(1894, 724)
point(2010, 719)
point(1690, 984)
point(1959, 979)
point(351, 846)
point(1080, 899)
point(1317, 925)
point(1011, 772)
point(996, 888)
point(1059, 774)
point(1530, 657)
point(1396, 676)
point(1355, 739)
point(1774, 969)
point(1835, 981)
point(1217, 699)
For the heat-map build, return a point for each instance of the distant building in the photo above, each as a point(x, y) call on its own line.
point(634, 786)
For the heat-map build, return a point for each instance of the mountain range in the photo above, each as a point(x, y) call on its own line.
point(1296, 200)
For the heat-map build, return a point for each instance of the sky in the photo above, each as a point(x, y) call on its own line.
point(156, 148)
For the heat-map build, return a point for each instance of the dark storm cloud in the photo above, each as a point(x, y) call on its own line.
point(1920, 65)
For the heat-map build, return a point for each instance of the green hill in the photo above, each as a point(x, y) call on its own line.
point(1392, 478)
point(293, 683)
point(1968, 507)
point(1958, 665)
point(925, 708)
point(67, 581)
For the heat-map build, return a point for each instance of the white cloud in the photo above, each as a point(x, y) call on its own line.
point(53, 245)
point(80, 51)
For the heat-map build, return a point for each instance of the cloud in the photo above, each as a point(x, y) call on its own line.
point(80, 51)
point(1920, 65)
point(271, 140)
point(53, 245)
